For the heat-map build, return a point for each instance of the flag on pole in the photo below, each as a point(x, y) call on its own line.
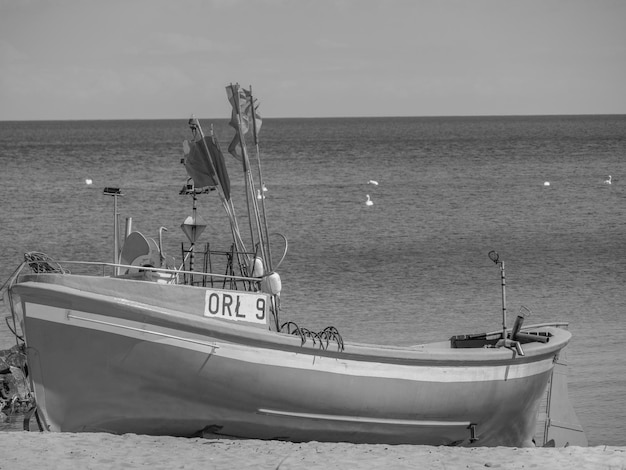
point(206, 169)
point(245, 116)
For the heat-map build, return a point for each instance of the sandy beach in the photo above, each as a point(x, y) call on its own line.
point(33, 450)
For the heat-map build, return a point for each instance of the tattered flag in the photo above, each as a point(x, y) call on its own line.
point(245, 116)
point(206, 169)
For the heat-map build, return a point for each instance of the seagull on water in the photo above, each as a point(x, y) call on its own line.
point(88, 181)
point(608, 181)
point(375, 183)
point(369, 201)
point(546, 183)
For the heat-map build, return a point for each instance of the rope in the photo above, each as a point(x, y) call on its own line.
point(41, 263)
point(322, 338)
point(6, 320)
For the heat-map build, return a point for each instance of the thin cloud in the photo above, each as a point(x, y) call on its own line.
point(10, 54)
point(175, 44)
point(325, 43)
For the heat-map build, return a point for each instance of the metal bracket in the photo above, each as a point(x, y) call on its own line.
point(472, 429)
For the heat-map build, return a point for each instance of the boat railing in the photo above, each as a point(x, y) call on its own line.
point(554, 324)
point(148, 273)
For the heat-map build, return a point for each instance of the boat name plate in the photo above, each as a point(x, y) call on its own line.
point(244, 306)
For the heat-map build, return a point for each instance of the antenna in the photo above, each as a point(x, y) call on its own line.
point(506, 342)
point(115, 192)
point(495, 257)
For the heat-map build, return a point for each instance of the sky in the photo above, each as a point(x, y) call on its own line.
point(168, 59)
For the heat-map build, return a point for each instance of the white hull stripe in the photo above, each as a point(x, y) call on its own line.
point(360, 419)
point(141, 330)
point(285, 359)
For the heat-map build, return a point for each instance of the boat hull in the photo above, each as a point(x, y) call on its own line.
point(103, 363)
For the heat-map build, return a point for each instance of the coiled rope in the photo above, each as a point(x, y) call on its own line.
point(322, 339)
point(42, 263)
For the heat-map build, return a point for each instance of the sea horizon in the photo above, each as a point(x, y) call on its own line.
point(442, 116)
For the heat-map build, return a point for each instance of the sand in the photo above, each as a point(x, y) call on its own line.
point(34, 450)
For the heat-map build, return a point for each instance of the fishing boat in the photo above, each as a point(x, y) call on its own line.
point(145, 344)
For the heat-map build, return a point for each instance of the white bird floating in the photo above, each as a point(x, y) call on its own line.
point(608, 181)
point(259, 195)
point(375, 183)
point(369, 201)
point(264, 187)
point(88, 181)
point(546, 183)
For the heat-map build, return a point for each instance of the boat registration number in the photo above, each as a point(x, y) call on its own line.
point(237, 307)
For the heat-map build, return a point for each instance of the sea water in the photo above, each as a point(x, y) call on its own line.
point(411, 268)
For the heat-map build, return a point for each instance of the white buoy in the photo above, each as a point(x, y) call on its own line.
point(271, 284)
point(257, 268)
point(369, 201)
point(609, 180)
